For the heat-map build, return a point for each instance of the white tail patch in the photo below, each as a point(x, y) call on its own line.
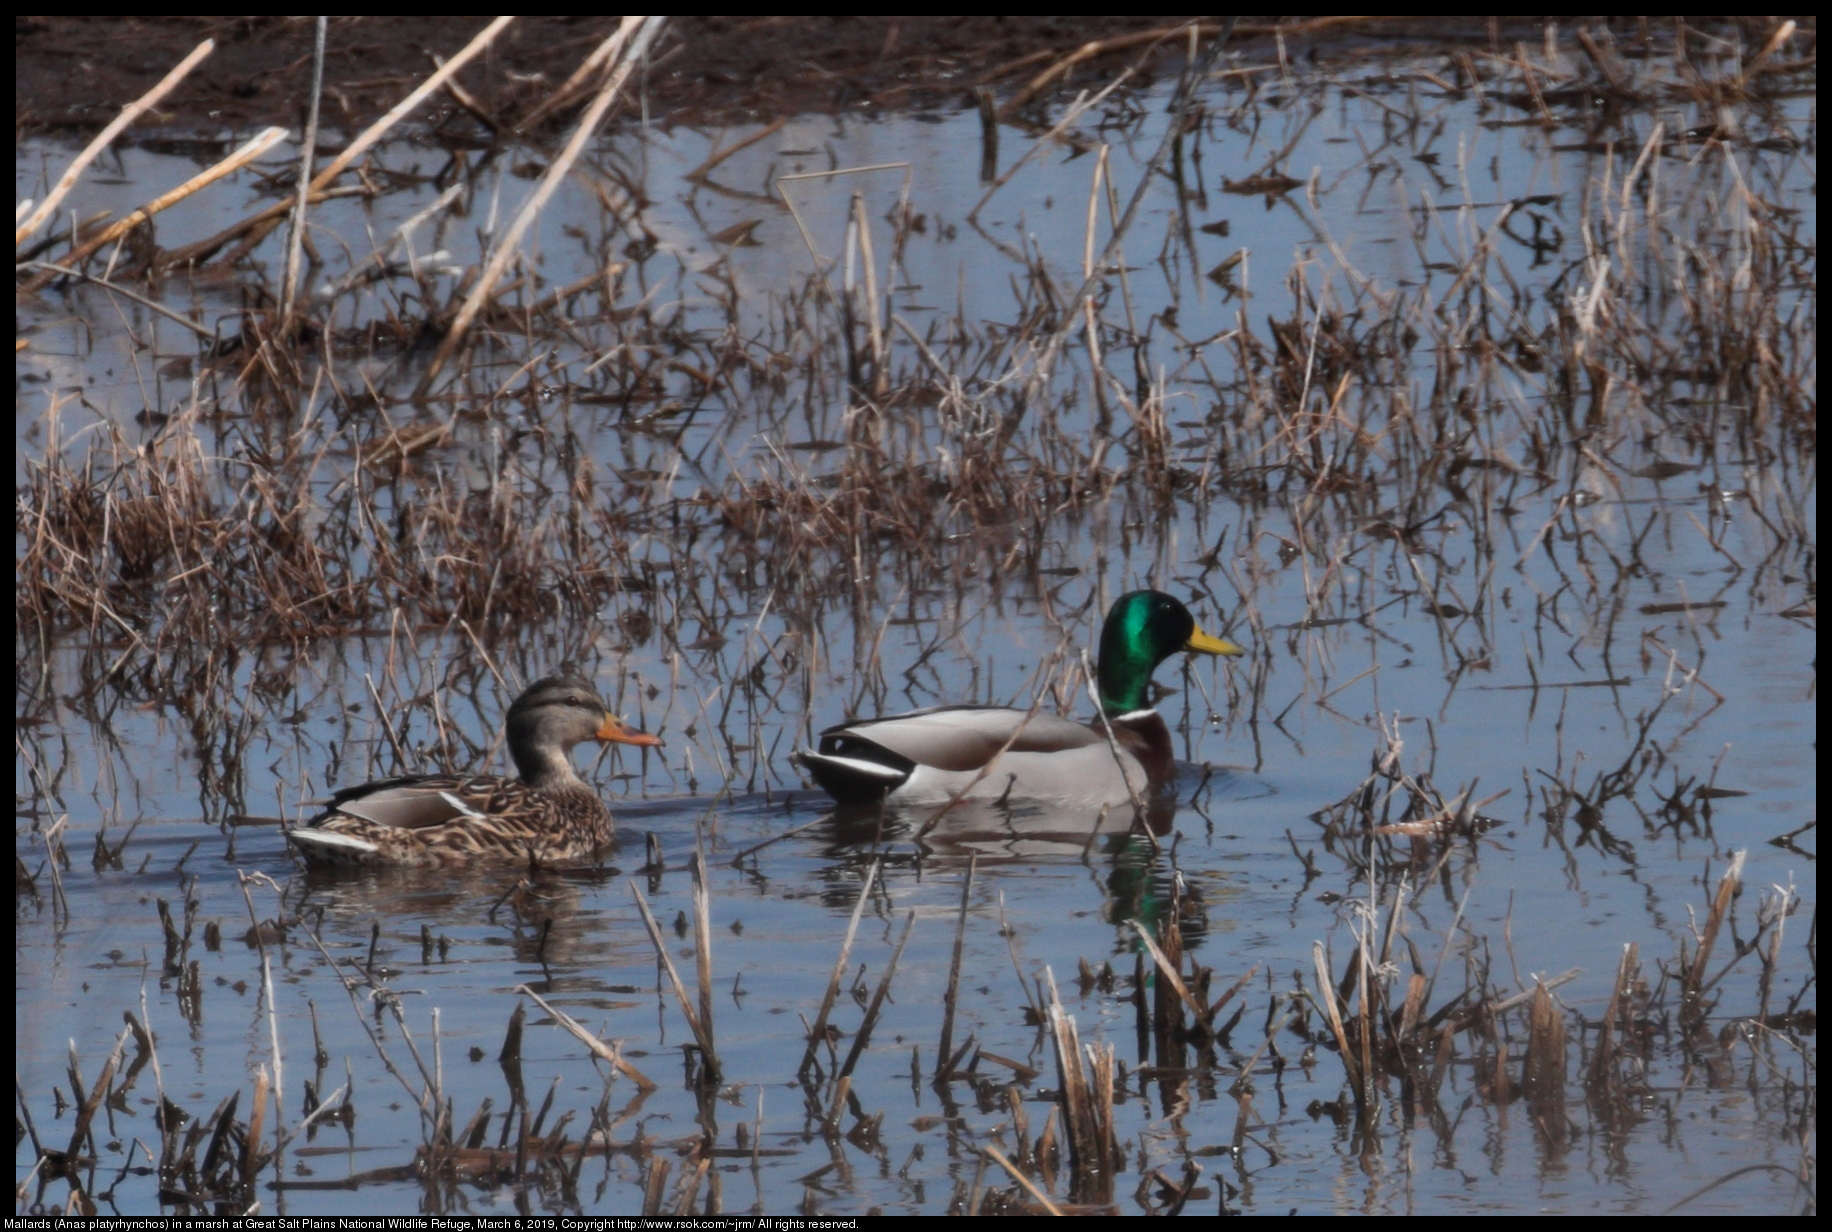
point(329, 843)
point(460, 807)
point(889, 774)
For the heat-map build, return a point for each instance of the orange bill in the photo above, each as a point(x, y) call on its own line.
point(1204, 643)
point(615, 731)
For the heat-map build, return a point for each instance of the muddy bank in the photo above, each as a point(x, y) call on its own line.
point(75, 73)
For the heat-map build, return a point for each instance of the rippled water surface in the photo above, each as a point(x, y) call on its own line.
point(1589, 625)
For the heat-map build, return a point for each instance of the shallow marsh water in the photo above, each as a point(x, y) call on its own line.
point(1627, 606)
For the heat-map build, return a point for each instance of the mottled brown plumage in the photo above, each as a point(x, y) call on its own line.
point(547, 816)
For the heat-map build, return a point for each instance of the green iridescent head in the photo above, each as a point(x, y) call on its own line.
point(1143, 629)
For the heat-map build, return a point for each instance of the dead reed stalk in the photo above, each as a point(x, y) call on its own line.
point(608, 1053)
point(1085, 1097)
point(863, 1036)
point(1543, 1075)
point(103, 139)
point(709, 1068)
point(633, 37)
point(245, 154)
point(1728, 884)
point(950, 1002)
point(818, 1033)
point(702, 936)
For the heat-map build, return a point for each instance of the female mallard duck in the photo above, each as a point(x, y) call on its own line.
point(547, 816)
point(993, 752)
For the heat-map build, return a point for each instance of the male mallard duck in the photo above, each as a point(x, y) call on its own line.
point(993, 752)
point(547, 816)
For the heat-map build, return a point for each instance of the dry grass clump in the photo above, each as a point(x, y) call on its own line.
point(168, 552)
point(840, 456)
point(1390, 1025)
